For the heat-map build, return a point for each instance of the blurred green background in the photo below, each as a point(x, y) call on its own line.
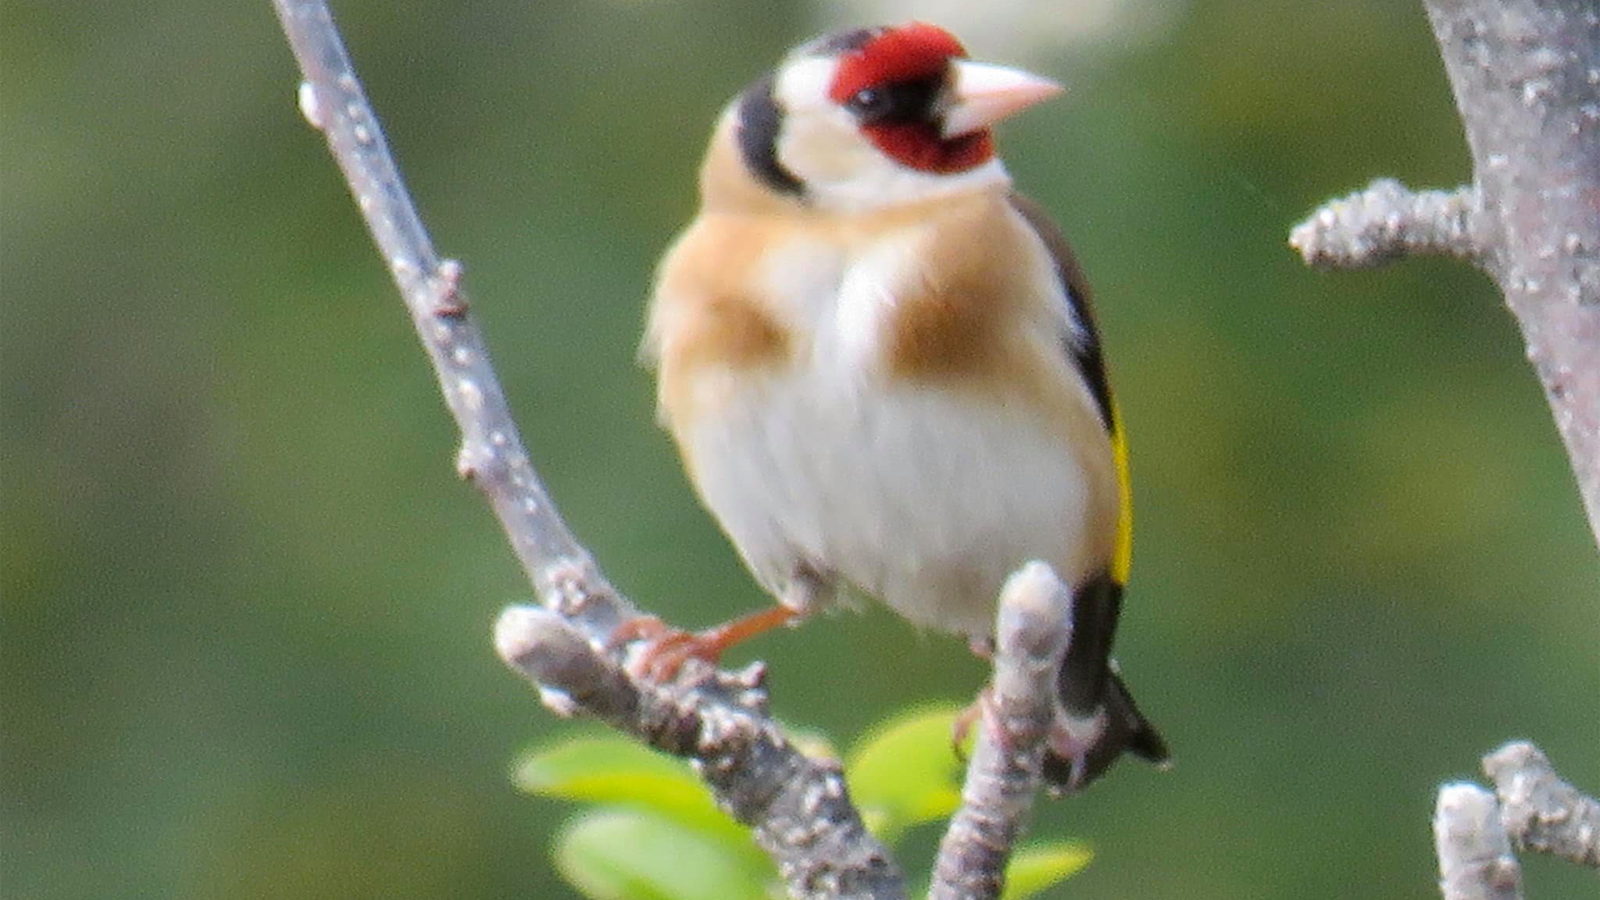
point(246, 603)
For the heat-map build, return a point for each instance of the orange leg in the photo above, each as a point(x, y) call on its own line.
point(961, 728)
point(669, 648)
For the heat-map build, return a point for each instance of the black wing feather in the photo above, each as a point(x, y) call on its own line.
point(1084, 346)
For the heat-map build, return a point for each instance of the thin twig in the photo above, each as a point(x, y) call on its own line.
point(797, 806)
point(1526, 77)
point(1475, 861)
point(492, 454)
point(1531, 808)
point(1003, 776)
point(1541, 811)
point(1386, 221)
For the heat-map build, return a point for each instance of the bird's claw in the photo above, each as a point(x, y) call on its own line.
point(665, 649)
point(668, 648)
point(961, 728)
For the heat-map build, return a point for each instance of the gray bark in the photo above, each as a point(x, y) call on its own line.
point(1526, 77)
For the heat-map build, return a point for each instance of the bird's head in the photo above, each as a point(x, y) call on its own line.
point(875, 118)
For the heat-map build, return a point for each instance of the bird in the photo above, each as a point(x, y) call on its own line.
point(878, 363)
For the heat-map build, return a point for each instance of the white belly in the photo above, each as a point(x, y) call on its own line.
point(918, 496)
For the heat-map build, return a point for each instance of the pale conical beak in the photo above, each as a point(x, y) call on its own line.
point(982, 95)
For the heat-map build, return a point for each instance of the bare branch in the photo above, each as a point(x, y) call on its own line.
point(797, 806)
point(1475, 861)
point(1003, 777)
point(1541, 811)
point(492, 454)
point(1531, 806)
point(1386, 221)
point(1526, 76)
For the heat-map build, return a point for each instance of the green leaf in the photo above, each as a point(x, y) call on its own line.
point(619, 771)
point(622, 854)
point(905, 771)
point(1038, 866)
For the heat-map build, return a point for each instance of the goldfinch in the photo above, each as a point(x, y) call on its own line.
point(878, 364)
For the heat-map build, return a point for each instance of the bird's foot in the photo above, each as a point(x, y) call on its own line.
point(961, 728)
point(664, 655)
point(666, 648)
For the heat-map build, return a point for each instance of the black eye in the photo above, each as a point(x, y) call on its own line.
point(868, 101)
point(897, 101)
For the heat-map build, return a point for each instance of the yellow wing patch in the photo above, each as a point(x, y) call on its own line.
point(1122, 550)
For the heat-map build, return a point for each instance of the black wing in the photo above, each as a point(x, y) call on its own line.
point(1085, 344)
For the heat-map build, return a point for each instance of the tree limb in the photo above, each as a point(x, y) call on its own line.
point(492, 454)
point(718, 719)
point(1526, 77)
point(1475, 861)
point(1541, 811)
point(1387, 221)
point(1531, 808)
point(1003, 777)
point(798, 807)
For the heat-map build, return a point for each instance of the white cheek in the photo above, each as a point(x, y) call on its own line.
point(820, 142)
point(825, 150)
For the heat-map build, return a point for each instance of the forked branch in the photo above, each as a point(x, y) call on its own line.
point(798, 806)
point(1526, 76)
point(1531, 808)
point(1540, 810)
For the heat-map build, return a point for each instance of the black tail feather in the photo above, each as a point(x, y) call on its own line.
point(1122, 728)
point(1142, 739)
point(1099, 719)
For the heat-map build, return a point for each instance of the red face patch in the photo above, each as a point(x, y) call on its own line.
point(901, 55)
point(920, 146)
